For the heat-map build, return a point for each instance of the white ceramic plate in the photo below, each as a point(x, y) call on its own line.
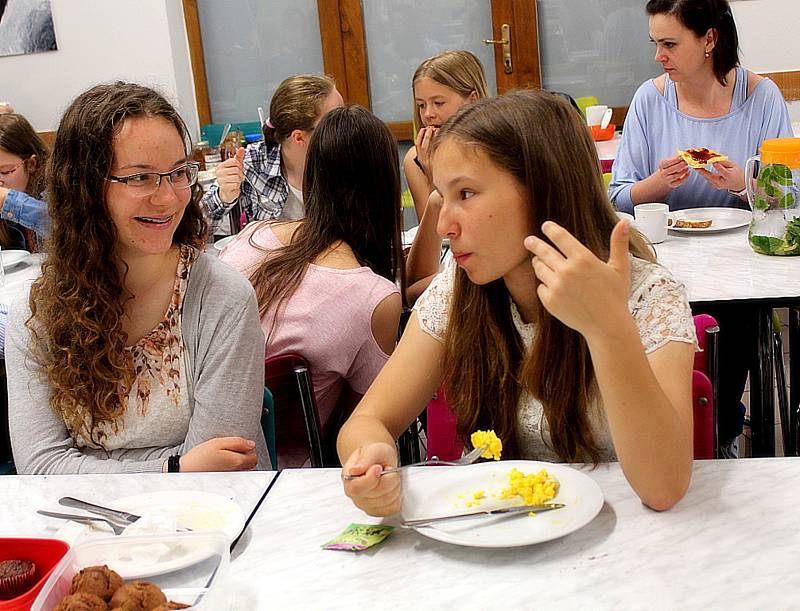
point(722, 219)
point(168, 511)
point(165, 512)
point(221, 244)
point(12, 257)
point(437, 491)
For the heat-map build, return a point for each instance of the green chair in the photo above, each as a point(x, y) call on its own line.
point(587, 100)
point(268, 426)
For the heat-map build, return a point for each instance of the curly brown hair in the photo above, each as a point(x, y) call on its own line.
point(77, 304)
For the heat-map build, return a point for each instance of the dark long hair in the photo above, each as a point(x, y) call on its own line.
point(18, 137)
point(351, 189)
point(700, 16)
point(77, 303)
point(541, 141)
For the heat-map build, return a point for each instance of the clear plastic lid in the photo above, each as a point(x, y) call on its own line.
point(187, 567)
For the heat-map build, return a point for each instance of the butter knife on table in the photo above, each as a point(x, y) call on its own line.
point(108, 512)
point(503, 511)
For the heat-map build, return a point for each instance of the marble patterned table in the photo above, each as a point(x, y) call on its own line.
point(22, 495)
point(730, 543)
point(719, 268)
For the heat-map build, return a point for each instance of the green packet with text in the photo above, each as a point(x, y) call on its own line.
point(358, 537)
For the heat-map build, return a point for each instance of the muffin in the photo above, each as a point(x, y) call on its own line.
point(137, 596)
point(16, 576)
point(98, 580)
point(82, 601)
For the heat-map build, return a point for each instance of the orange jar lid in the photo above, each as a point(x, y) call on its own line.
point(785, 151)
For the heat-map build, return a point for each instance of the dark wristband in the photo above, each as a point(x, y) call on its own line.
point(174, 464)
point(419, 163)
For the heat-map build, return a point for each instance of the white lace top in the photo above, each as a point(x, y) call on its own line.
point(658, 305)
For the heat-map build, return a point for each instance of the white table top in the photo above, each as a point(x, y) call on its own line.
point(19, 277)
point(731, 543)
point(22, 495)
point(722, 266)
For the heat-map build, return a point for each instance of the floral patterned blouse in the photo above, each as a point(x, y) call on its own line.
point(155, 408)
point(657, 303)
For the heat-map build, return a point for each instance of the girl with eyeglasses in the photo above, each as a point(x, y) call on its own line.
point(135, 351)
point(23, 156)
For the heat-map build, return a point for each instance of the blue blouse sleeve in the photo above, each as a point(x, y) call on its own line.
point(776, 122)
point(632, 163)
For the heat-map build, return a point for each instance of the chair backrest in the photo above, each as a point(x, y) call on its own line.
point(296, 422)
point(705, 362)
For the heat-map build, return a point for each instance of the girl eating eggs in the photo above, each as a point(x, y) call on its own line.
point(555, 328)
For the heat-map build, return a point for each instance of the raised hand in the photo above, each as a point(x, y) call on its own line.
point(230, 174)
point(423, 145)
point(376, 494)
point(672, 172)
point(582, 291)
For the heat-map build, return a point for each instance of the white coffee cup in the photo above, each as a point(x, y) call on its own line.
point(651, 220)
point(594, 114)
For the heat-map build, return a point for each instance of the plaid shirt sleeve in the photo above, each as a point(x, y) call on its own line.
point(262, 194)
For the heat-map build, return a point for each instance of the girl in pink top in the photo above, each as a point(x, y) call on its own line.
point(326, 285)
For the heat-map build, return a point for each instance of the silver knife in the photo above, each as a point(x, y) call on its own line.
point(486, 512)
point(114, 514)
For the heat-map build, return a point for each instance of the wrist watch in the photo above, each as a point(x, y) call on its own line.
point(174, 464)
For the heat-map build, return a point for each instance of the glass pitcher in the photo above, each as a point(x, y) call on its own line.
point(773, 191)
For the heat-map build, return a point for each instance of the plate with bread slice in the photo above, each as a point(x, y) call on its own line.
point(708, 220)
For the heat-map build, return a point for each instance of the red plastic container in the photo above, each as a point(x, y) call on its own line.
point(44, 553)
point(599, 135)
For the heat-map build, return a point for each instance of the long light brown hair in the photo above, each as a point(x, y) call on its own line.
point(460, 71)
point(18, 137)
point(540, 140)
point(352, 194)
point(295, 105)
point(77, 304)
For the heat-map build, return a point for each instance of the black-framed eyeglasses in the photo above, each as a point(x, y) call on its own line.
point(147, 183)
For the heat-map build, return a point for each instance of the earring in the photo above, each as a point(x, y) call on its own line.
point(708, 54)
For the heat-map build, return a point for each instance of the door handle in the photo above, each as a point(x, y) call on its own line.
point(505, 40)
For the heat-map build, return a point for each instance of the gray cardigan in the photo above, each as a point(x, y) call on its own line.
point(225, 370)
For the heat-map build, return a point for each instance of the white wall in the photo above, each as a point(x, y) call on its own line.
point(769, 37)
point(100, 41)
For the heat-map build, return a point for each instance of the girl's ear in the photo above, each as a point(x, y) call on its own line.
point(297, 136)
point(473, 95)
point(32, 163)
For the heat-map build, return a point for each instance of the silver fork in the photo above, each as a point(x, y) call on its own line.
point(117, 528)
point(467, 459)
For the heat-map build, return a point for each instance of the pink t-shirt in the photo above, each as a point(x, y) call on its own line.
point(327, 320)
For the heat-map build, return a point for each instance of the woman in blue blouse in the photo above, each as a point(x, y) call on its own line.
point(703, 99)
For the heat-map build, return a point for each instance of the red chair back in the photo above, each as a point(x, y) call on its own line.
point(297, 427)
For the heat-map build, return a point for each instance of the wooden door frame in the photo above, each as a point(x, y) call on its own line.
point(344, 55)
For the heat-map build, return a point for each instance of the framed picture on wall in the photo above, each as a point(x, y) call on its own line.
point(26, 26)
